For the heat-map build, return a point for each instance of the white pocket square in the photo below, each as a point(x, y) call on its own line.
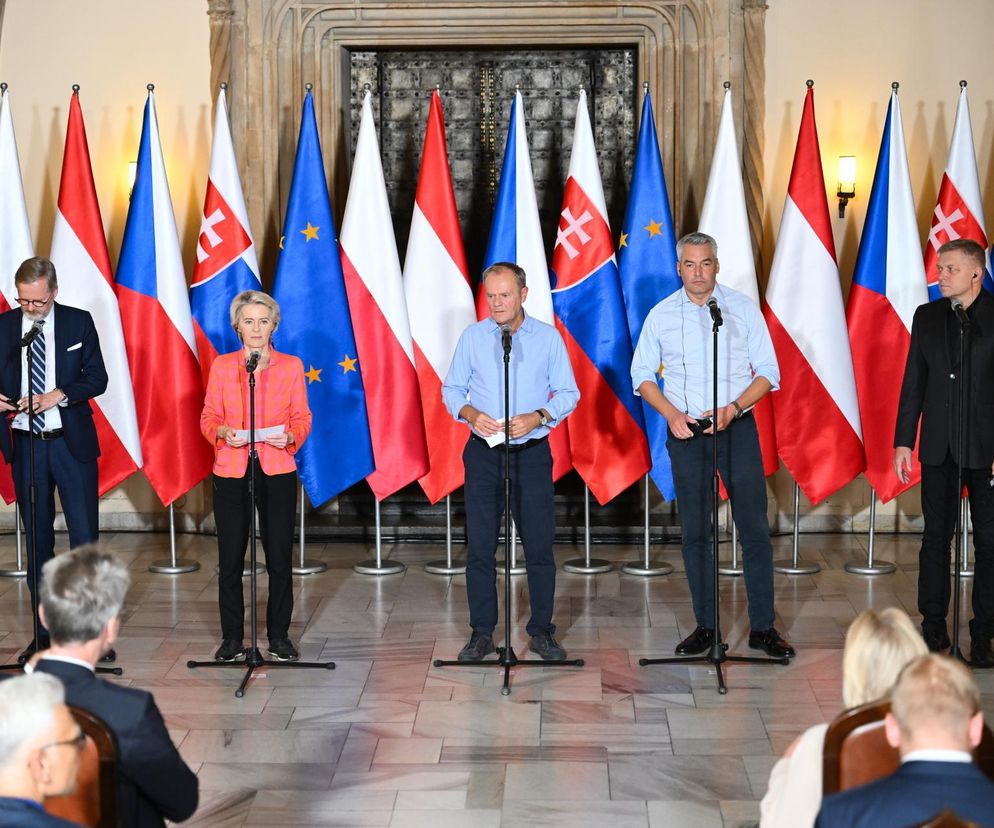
point(74, 347)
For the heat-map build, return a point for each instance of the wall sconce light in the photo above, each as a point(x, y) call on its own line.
point(847, 182)
point(132, 174)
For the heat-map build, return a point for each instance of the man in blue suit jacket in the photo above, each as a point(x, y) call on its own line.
point(65, 437)
point(82, 593)
point(935, 722)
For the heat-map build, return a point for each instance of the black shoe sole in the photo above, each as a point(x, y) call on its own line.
point(551, 658)
point(771, 654)
point(239, 657)
point(278, 657)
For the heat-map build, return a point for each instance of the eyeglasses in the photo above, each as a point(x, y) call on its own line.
point(78, 742)
point(34, 303)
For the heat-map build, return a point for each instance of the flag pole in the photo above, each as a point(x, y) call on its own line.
point(15, 570)
point(871, 567)
point(377, 567)
point(173, 566)
point(515, 568)
point(587, 565)
point(794, 566)
point(448, 566)
point(646, 567)
point(306, 567)
point(733, 567)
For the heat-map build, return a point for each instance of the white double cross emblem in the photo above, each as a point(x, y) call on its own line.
point(944, 222)
point(207, 229)
point(574, 227)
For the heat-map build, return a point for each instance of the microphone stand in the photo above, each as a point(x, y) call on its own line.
point(506, 659)
point(253, 657)
point(717, 655)
point(964, 377)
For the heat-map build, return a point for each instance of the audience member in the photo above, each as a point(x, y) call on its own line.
point(40, 744)
point(878, 646)
point(935, 722)
point(82, 593)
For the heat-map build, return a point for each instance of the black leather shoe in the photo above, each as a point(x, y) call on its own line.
point(545, 646)
point(42, 643)
point(109, 657)
point(230, 650)
point(696, 643)
point(936, 637)
point(771, 643)
point(479, 647)
point(980, 653)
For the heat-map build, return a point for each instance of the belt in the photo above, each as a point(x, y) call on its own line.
point(54, 434)
point(514, 447)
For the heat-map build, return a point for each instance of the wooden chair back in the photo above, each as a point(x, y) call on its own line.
point(94, 801)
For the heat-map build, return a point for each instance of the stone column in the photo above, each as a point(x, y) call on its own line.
point(220, 13)
point(754, 82)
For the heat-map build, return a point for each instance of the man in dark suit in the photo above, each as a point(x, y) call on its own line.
point(66, 371)
point(40, 744)
point(82, 592)
point(931, 391)
point(935, 722)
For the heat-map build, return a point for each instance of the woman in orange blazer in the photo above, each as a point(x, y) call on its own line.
point(280, 401)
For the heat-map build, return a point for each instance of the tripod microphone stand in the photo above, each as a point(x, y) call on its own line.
point(717, 654)
point(506, 659)
point(962, 423)
point(253, 658)
point(26, 340)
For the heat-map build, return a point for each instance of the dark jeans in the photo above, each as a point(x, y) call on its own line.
point(276, 496)
point(741, 468)
point(940, 502)
point(77, 483)
point(531, 505)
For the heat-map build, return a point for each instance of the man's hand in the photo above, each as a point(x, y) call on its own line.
point(485, 425)
point(725, 415)
point(677, 423)
point(7, 404)
point(42, 402)
point(521, 424)
point(903, 464)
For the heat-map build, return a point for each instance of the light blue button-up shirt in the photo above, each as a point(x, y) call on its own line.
point(540, 377)
point(677, 338)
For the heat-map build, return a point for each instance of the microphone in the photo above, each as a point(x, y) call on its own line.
point(505, 337)
point(715, 311)
point(32, 335)
point(252, 362)
point(960, 312)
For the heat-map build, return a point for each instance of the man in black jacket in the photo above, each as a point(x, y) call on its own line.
point(82, 592)
point(931, 391)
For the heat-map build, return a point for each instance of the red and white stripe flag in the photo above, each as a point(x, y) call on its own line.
point(439, 304)
point(379, 316)
point(79, 252)
point(817, 415)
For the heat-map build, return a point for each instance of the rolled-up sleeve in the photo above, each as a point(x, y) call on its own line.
point(562, 383)
point(762, 355)
point(648, 355)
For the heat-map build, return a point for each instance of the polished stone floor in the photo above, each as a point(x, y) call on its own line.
point(387, 739)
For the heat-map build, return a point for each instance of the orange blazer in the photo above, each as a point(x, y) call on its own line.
point(280, 399)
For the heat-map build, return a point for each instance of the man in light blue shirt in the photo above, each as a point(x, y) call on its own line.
point(677, 344)
point(542, 393)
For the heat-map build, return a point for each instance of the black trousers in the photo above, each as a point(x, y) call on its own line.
point(276, 496)
point(532, 507)
point(940, 502)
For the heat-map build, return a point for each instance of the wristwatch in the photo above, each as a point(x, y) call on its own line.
point(542, 419)
point(738, 410)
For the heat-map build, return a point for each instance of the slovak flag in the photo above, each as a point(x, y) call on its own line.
point(959, 208)
point(516, 236)
point(226, 262)
point(439, 304)
point(79, 253)
point(379, 317)
point(158, 329)
point(816, 411)
point(888, 285)
point(607, 437)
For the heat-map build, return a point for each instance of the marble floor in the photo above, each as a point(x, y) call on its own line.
point(387, 739)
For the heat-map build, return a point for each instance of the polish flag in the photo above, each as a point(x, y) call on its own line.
point(816, 411)
point(79, 252)
point(439, 304)
point(379, 316)
point(15, 237)
point(959, 209)
point(158, 329)
point(888, 285)
point(725, 219)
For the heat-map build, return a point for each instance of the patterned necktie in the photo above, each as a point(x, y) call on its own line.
point(38, 375)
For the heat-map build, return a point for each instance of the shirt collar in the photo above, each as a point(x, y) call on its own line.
point(936, 755)
point(68, 660)
point(526, 325)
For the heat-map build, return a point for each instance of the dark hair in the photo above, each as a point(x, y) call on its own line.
point(969, 248)
point(516, 270)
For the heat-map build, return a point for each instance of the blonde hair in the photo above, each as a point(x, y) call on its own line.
point(878, 646)
point(935, 691)
point(254, 297)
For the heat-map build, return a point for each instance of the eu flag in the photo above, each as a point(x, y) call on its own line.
point(647, 264)
point(316, 327)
